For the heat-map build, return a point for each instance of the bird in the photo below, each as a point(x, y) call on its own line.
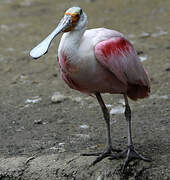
point(96, 61)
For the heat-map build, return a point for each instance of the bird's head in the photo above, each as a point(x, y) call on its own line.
point(74, 19)
point(74, 15)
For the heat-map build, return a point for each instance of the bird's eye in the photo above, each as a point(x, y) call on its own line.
point(81, 11)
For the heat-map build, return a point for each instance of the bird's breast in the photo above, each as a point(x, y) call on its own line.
point(67, 64)
point(76, 61)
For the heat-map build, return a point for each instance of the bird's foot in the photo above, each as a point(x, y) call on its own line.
point(108, 152)
point(129, 155)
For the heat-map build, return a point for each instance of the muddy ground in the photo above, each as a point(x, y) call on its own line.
point(40, 139)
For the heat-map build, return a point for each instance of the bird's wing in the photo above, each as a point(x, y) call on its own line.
point(118, 56)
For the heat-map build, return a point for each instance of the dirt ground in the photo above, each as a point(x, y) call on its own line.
point(40, 139)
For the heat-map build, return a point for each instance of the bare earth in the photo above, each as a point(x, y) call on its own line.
point(42, 140)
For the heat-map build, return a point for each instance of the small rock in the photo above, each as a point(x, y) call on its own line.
point(61, 144)
point(54, 148)
point(58, 149)
point(154, 96)
point(82, 136)
point(57, 97)
point(35, 99)
point(144, 35)
point(164, 97)
point(84, 126)
point(100, 177)
point(93, 147)
point(167, 69)
point(139, 52)
point(20, 78)
point(39, 121)
point(117, 110)
point(143, 58)
point(160, 33)
point(108, 105)
point(61, 150)
point(77, 100)
point(60, 121)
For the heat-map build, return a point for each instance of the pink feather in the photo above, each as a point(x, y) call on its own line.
point(119, 57)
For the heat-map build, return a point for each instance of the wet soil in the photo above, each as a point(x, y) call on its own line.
point(31, 125)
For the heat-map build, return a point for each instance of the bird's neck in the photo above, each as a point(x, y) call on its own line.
point(75, 36)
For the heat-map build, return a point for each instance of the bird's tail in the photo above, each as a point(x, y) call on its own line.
point(138, 92)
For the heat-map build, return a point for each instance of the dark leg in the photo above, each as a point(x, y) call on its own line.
point(130, 153)
point(108, 150)
point(107, 120)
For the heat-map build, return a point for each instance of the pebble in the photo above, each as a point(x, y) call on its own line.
point(60, 121)
point(143, 58)
point(155, 34)
point(33, 100)
point(117, 110)
point(84, 126)
point(39, 121)
point(59, 149)
point(167, 69)
point(20, 79)
point(108, 105)
point(160, 33)
point(82, 136)
point(139, 52)
point(61, 144)
point(93, 147)
point(144, 35)
point(154, 96)
point(100, 177)
point(57, 97)
point(77, 100)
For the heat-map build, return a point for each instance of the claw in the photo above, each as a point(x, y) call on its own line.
point(106, 153)
point(99, 158)
point(129, 155)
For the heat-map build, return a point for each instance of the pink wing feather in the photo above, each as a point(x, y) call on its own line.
point(118, 56)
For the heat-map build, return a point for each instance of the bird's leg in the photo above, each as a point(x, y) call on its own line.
point(106, 115)
point(129, 154)
point(108, 150)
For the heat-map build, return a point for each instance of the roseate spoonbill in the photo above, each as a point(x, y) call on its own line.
point(99, 61)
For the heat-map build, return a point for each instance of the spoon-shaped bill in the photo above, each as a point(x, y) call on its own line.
point(43, 47)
